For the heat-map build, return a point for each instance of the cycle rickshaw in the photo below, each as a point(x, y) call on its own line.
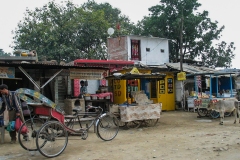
point(48, 128)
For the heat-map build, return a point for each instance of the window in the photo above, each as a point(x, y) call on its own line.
point(147, 49)
point(135, 50)
point(162, 50)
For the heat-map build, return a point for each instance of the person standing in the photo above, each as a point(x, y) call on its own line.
point(83, 89)
point(13, 106)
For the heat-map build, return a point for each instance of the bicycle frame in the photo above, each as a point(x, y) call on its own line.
point(94, 120)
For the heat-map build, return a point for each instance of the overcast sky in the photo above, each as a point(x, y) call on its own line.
point(223, 11)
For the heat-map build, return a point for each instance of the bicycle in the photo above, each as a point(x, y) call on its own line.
point(101, 123)
point(50, 137)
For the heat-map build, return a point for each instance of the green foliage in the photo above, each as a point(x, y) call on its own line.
point(2, 53)
point(62, 32)
point(67, 32)
point(199, 32)
point(113, 16)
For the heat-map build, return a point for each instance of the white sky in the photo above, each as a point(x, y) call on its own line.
point(223, 11)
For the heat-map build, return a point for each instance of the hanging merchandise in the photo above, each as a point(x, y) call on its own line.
point(199, 83)
point(207, 81)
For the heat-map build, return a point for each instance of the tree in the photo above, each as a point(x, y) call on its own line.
point(113, 16)
point(198, 32)
point(67, 32)
point(2, 53)
point(62, 32)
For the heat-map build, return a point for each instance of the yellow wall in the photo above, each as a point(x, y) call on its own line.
point(119, 91)
point(120, 86)
point(166, 93)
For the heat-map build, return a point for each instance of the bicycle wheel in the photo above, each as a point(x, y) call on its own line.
point(52, 139)
point(107, 127)
point(133, 124)
point(28, 140)
point(151, 122)
point(202, 112)
point(214, 114)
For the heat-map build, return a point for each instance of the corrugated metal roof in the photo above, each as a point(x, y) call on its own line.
point(97, 61)
point(190, 68)
point(42, 65)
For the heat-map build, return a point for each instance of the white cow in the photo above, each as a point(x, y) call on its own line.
point(223, 106)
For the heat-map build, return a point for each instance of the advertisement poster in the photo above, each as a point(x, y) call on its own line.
point(7, 72)
point(89, 74)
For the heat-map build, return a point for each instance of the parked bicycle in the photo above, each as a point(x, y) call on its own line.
point(50, 137)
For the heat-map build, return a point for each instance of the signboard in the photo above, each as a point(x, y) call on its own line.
point(7, 72)
point(181, 76)
point(91, 74)
point(170, 85)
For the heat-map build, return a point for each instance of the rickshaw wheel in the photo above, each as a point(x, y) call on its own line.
point(202, 112)
point(151, 122)
point(133, 124)
point(28, 140)
point(52, 139)
point(228, 114)
point(214, 114)
point(119, 122)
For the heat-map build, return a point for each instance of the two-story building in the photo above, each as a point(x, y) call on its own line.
point(145, 50)
point(150, 52)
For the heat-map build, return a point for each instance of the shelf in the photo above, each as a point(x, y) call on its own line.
point(98, 100)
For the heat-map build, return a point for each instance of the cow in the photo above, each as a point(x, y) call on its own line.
point(223, 106)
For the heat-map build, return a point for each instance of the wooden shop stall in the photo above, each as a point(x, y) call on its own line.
point(158, 87)
point(102, 97)
point(132, 102)
point(211, 87)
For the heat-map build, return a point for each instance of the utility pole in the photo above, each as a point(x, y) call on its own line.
point(181, 59)
point(181, 44)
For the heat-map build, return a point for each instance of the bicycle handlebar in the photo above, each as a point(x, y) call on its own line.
point(91, 107)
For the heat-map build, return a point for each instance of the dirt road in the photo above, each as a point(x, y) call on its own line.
point(178, 135)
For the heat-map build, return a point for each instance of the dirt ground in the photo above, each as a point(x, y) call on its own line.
point(179, 135)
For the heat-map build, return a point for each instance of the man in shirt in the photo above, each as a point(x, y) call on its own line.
point(13, 106)
point(83, 89)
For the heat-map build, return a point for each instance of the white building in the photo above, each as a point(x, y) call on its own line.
point(146, 50)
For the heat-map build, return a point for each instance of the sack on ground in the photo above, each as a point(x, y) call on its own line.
point(11, 126)
point(18, 125)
